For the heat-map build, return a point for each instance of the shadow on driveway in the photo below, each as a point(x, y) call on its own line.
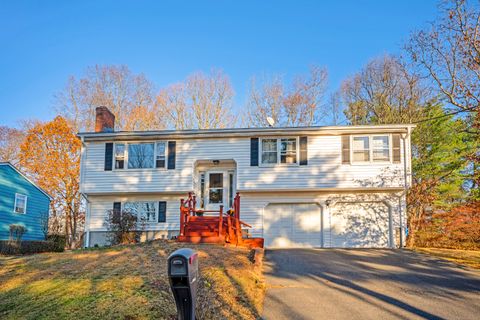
point(367, 284)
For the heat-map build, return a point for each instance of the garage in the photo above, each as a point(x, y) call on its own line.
point(360, 225)
point(292, 225)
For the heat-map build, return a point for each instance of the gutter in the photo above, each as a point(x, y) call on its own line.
point(406, 166)
point(242, 132)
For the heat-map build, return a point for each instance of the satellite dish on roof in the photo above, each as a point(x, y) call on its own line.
point(270, 121)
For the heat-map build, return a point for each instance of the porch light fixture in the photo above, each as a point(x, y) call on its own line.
point(328, 202)
point(216, 162)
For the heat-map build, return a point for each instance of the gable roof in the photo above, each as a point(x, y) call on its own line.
point(245, 132)
point(25, 177)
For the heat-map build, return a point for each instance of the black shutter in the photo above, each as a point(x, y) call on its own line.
point(108, 156)
point(171, 154)
point(346, 149)
point(303, 151)
point(254, 152)
point(396, 148)
point(117, 206)
point(162, 211)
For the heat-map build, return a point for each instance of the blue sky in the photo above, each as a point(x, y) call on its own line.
point(44, 42)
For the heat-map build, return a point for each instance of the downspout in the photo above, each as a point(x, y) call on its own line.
point(405, 182)
point(87, 213)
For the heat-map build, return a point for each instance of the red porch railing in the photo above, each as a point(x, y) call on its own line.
point(227, 228)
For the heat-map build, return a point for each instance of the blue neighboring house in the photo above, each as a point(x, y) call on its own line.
point(21, 202)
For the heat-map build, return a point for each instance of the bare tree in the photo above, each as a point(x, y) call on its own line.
point(10, 141)
point(449, 53)
point(127, 95)
point(266, 101)
point(202, 101)
point(385, 91)
point(335, 107)
point(299, 104)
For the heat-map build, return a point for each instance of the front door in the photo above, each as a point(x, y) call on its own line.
point(219, 189)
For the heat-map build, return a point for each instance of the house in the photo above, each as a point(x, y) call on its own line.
point(21, 203)
point(331, 186)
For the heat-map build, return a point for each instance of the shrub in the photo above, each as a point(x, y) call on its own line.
point(124, 227)
point(458, 228)
point(28, 247)
point(16, 232)
point(59, 239)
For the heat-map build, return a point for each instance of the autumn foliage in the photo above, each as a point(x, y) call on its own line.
point(50, 153)
point(458, 228)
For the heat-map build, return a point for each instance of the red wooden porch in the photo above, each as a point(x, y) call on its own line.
point(212, 226)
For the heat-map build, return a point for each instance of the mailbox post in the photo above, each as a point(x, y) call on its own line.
point(183, 275)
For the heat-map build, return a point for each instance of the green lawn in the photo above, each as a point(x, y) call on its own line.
point(126, 282)
point(469, 258)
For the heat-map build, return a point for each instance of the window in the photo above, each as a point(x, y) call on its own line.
point(119, 156)
point(160, 158)
point(361, 149)
point(202, 189)
point(215, 188)
point(283, 151)
point(288, 150)
point(20, 203)
point(140, 155)
point(381, 148)
point(144, 209)
point(230, 189)
point(371, 148)
point(269, 151)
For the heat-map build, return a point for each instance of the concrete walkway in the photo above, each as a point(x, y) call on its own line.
point(367, 284)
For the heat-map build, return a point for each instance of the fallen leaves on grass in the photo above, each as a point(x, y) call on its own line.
point(126, 282)
point(469, 258)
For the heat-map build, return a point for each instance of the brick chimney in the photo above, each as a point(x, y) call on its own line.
point(104, 120)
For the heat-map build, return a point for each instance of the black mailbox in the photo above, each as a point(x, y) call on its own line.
point(183, 274)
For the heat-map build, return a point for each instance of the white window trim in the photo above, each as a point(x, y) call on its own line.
point(15, 203)
point(125, 159)
point(297, 150)
point(370, 149)
point(156, 206)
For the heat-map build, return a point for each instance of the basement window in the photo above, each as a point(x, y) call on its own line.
point(144, 209)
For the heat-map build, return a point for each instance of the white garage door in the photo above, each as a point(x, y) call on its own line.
point(292, 225)
point(359, 225)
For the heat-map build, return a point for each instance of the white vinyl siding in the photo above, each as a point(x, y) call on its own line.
point(100, 205)
point(255, 206)
point(324, 169)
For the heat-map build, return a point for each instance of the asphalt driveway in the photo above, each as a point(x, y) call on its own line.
point(367, 284)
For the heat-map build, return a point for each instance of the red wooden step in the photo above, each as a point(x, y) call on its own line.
point(201, 233)
point(201, 239)
point(207, 218)
point(253, 242)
